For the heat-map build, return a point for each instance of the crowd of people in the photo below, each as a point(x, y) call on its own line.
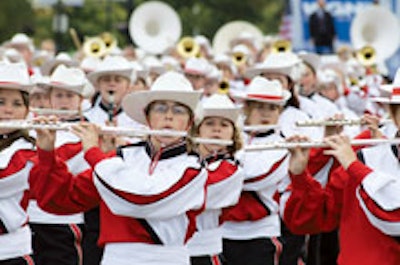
point(176, 181)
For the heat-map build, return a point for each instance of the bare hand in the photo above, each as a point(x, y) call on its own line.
point(372, 123)
point(89, 134)
point(341, 149)
point(299, 156)
point(335, 129)
point(45, 139)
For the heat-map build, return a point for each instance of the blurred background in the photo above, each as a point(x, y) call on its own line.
point(43, 19)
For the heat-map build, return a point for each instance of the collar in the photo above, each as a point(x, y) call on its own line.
point(310, 95)
point(9, 135)
point(218, 156)
point(106, 108)
point(263, 134)
point(166, 152)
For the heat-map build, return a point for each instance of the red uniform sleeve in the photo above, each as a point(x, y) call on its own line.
point(57, 190)
point(311, 208)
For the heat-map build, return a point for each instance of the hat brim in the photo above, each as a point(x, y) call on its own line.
point(94, 76)
point(134, 104)
point(48, 66)
point(257, 70)
point(285, 97)
point(229, 114)
point(14, 86)
point(76, 89)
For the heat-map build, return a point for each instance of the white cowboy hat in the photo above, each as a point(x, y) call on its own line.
point(21, 39)
point(198, 66)
point(15, 76)
point(67, 78)
point(279, 63)
point(61, 58)
point(217, 105)
point(169, 86)
point(310, 58)
point(117, 65)
point(391, 90)
point(264, 90)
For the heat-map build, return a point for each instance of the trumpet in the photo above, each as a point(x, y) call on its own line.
point(94, 47)
point(317, 144)
point(341, 122)
point(109, 130)
point(109, 40)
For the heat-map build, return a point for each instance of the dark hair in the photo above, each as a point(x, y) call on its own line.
point(25, 98)
point(294, 99)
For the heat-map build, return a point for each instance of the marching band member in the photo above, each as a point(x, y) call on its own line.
point(112, 79)
point(149, 192)
point(196, 70)
point(216, 119)
point(251, 227)
point(58, 239)
point(331, 87)
point(16, 149)
point(360, 198)
point(279, 66)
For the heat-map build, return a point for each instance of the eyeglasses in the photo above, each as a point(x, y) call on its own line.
point(163, 108)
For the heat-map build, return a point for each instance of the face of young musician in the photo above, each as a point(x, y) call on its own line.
point(12, 106)
point(215, 128)
point(262, 113)
point(61, 99)
point(168, 115)
point(116, 85)
point(330, 91)
point(39, 100)
point(307, 81)
point(198, 81)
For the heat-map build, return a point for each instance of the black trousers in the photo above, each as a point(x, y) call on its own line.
point(25, 260)
point(208, 260)
point(260, 251)
point(59, 244)
point(92, 253)
point(323, 249)
point(294, 247)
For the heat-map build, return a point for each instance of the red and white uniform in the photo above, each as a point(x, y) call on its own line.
point(68, 149)
point(362, 201)
point(146, 200)
point(15, 235)
point(256, 214)
point(224, 185)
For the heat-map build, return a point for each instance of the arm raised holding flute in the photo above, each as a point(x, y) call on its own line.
point(360, 198)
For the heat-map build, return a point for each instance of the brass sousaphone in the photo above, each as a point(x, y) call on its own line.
point(155, 26)
point(375, 34)
point(228, 32)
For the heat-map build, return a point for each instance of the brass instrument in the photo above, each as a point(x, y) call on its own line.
point(94, 47)
point(316, 144)
point(223, 87)
point(366, 55)
point(239, 58)
point(281, 45)
point(109, 40)
point(187, 47)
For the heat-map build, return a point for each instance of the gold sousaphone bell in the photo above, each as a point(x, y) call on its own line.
point(281, 45)
point(187, 47)
point(366, 55)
